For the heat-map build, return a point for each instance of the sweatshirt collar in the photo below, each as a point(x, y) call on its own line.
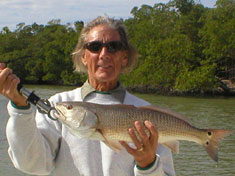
point(118, 93)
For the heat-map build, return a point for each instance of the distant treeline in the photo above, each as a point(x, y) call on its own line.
point(183, 47)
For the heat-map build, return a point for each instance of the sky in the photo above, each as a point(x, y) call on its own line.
point(13, 12)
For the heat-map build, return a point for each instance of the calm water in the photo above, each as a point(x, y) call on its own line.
point(192, 159)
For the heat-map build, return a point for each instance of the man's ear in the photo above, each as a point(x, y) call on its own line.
point(125, 60)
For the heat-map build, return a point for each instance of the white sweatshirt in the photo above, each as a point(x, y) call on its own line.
point(40, 146)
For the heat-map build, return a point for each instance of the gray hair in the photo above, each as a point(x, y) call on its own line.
point(116, 25)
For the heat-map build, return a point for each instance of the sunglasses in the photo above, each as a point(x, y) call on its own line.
point(112, 47)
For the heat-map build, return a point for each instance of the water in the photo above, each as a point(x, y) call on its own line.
point(192, 161)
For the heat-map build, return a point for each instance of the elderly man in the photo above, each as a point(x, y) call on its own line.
point(40, 146)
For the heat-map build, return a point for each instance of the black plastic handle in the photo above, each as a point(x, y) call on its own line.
point(42, 105)
point(19, 87)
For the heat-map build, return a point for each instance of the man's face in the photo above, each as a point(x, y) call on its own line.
point(104, 66)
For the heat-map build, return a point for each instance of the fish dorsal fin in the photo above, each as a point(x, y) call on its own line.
point(166, 111)
point(172, 145)
point(124, 106)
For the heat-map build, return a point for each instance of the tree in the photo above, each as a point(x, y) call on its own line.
point(184, 6)
point(218, 38)
point(182, 46)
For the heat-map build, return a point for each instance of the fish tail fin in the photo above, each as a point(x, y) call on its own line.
point(212, 144)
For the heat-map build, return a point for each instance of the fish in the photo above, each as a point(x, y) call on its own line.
point(110, 124)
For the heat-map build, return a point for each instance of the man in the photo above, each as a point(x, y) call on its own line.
point(40, 146)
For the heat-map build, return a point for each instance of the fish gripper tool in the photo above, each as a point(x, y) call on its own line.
point(43, 105)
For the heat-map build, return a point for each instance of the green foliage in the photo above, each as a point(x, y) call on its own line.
point(72, 78)
point(201, 79)
point(218, 37)
point(44, 51)
point(183, 46)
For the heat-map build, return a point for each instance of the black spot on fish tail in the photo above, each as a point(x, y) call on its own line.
point(209, 133)
point(214, 138)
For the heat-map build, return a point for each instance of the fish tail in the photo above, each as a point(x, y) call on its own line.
point(212, 144)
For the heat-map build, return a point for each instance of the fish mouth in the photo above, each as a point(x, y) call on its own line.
point(59, 114)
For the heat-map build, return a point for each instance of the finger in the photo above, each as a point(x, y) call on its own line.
point(151, 128)
point(140, 129)
point(7, 84)
point(14, 82)
point(134, 138)
point(5, 72)
point(153, 133)
point(3, 78)
point(2, 66)
point(127, 147)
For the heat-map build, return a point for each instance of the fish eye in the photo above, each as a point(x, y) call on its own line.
point(69, 107)
point(209, 133)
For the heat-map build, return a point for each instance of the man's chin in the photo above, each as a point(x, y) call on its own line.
point(106, 78)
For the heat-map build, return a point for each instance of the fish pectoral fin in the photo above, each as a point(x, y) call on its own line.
point(172, 145)
point(97, 136)
point(113, 144)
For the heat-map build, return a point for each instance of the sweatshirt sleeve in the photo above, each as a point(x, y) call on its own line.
point(163, 165)
point(33, 140)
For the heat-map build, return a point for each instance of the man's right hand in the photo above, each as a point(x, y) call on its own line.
point(8, 86)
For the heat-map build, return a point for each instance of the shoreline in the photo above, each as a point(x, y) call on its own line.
point(220, 91)
point(150, 90)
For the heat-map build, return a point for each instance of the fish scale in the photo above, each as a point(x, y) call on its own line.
point(111, 122)
point(117, 121)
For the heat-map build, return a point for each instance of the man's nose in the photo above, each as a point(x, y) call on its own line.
point(104, 51)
